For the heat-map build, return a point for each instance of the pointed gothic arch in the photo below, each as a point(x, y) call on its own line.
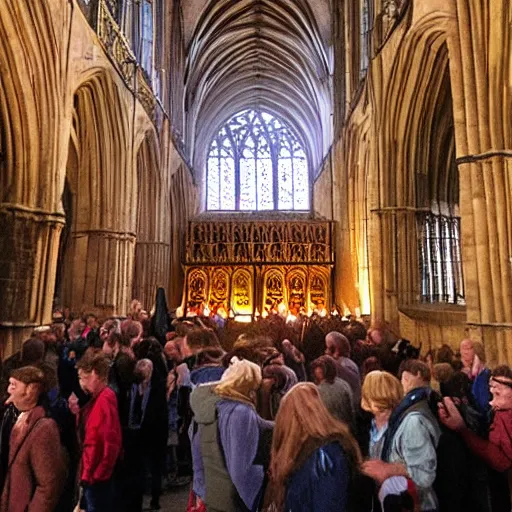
point(101, 177)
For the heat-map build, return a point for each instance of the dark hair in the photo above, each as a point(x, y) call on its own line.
point(502, 371)
point(93, 340)
point(328, 366)
point(131, 328)
point(32, 351)
point(416, 367)
point(116, 337)
point(183, 328)
point(209, 355)
point(370, 364)
point(406, 350)
point(341, 342)
point(457, 386)
point(202, 338)
point(445, 354)
point(95, 362)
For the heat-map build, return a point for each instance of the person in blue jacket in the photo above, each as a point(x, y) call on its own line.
point(314, 457)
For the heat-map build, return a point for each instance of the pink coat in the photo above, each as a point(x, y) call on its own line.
point(37, 469)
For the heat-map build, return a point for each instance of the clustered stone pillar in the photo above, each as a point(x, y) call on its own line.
point(480, 54)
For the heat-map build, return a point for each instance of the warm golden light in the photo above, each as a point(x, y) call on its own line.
point(243, 319)
point(290, 318)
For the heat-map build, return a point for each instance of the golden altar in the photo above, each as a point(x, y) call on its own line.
point(249, 264)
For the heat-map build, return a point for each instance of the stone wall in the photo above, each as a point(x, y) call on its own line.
point(417, 47)
point(70, 114)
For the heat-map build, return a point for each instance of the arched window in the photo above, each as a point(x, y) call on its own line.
point(364, 42)
point(146, 33)
point(256, 163)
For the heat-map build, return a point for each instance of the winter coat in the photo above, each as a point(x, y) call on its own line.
point(321, 484)
point(37, 469)
point(411, 439)
point(232, 457)
point(101, 437)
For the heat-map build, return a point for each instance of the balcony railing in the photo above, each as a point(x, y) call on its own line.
point(102, 15)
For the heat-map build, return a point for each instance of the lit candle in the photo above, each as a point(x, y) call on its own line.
point(290, 318)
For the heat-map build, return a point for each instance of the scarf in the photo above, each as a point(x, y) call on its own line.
point(410, 403)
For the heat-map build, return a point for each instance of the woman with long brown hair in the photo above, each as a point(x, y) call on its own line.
point(314, 456)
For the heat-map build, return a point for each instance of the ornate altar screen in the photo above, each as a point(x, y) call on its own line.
point(251, 265)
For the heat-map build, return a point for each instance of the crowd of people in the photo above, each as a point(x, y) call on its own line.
point(324, 415)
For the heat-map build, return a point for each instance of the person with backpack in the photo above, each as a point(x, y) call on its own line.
point(410, 443)
point(36, 468)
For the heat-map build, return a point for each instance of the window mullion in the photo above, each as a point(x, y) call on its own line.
point(236, 154)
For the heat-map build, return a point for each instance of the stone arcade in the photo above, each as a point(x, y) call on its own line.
point(397, 120)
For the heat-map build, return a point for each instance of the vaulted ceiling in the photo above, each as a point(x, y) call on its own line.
point(269, 54)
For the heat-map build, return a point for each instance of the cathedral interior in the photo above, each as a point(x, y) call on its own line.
point(329, 155)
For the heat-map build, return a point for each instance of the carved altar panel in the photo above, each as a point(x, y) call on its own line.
point(318, 288)
point(242, 292)
point(273, 288)
point(247, 242)
point(219, 292)
point(296, 280)
point(197, 287)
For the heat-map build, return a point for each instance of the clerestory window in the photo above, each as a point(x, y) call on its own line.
point(256, 162)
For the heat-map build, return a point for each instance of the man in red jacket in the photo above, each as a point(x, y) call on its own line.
point(100, 433)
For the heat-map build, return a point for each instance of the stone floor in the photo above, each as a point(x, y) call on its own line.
point(173, 500)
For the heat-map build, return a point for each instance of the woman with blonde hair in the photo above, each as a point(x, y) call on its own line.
point(231, 447)
point(314, 457)
point(380, 394)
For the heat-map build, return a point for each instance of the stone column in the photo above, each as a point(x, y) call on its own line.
point(100, 277)
point(479, 65)
point(151, 270)
point(29, 245)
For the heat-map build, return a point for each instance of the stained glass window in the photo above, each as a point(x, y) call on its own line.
point(440, 259)
point(257, 163)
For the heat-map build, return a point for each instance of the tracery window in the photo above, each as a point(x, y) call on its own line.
point(440, 259)
point(257, 163)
